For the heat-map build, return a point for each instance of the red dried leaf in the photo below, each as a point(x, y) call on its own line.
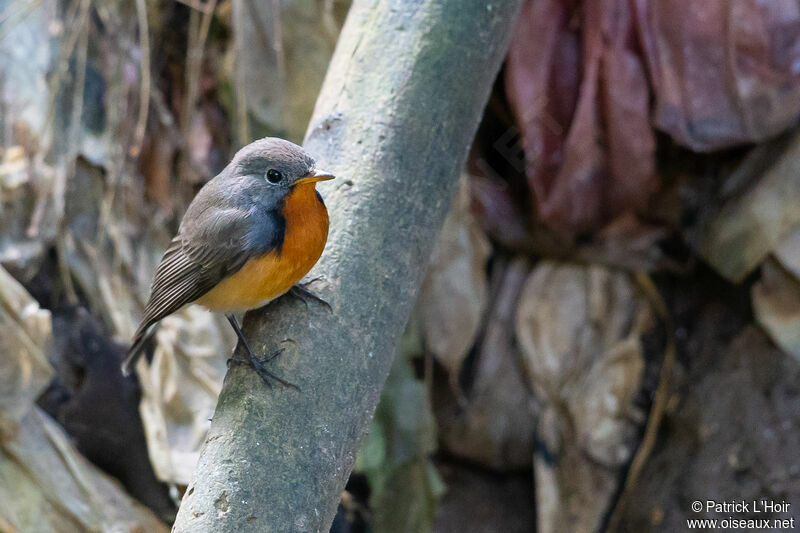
point(723, 72)
point(583, 113)
point(626, 112)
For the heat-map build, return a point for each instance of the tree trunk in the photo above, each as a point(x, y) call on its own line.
point(394, 121)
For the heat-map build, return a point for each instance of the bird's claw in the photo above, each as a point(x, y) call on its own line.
point(301, 292)
point(259, 364)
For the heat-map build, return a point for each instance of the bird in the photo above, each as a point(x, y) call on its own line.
point(249, 236)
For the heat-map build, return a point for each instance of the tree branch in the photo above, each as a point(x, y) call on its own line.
point(394, 120)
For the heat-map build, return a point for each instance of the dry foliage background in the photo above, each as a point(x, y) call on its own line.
point(609, 328)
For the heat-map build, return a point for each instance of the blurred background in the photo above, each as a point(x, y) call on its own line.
point(609, 328)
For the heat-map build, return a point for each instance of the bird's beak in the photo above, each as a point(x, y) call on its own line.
point(317, 175)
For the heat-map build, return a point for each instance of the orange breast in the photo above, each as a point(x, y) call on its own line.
point(264, 278)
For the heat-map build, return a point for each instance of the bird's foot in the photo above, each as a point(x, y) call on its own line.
point(259, 364)
point(300, 291)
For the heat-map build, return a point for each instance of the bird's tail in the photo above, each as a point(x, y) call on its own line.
point(141, 336)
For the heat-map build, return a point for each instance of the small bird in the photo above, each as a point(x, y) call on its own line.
point(249, 236)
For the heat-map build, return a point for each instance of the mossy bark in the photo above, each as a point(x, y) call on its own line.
point(394, 121)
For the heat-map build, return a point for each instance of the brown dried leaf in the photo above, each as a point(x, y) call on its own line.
point(48, 486)
point(751, 225)
point(453, 296)
point(788, 253)
point(579, 330)
point(494, 425)
point(155, 162)
point(282, 51)
point(180, 389)
point(498, 214)
point(776, 303)
point(628, 243)
point(26, 215)
point(25, 337)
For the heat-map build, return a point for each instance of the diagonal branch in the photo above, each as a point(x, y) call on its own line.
point(394, 120)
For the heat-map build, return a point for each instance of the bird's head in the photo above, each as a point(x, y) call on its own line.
point(272, 167)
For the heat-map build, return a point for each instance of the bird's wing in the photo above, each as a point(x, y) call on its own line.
point(197, 260)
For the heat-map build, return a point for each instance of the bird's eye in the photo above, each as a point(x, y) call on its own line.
point(274, 176)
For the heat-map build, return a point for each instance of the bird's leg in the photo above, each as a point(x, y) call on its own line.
point(258, 363)
point(300, 291)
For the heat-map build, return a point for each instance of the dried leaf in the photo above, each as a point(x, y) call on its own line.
point(282, 51)
point(776, 303)
point(788, 253)
point(156, 163)
point(26, 55)
point(48, 486)
point(723, 73)
point(579, 330)
point(25, 338)
point(498, 214)
point(26, 215)
point(180, 389)
point(628, 243)
point(494, 426)
point(113, 294)
point(625, 107)
point(453, 296)
point(751, 225)
point(584, 115)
